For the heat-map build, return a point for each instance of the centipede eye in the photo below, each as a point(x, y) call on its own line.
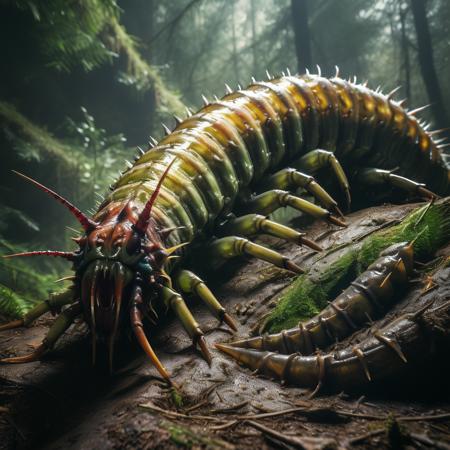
point(134, 244)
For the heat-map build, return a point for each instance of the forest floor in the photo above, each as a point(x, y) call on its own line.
point(61, 402)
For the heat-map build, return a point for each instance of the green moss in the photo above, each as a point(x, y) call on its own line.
point(428, 226)
point(188, 438)
point(176, 397)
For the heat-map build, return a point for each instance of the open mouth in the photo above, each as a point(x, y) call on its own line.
point(103, 292)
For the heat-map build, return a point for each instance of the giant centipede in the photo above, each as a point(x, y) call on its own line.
point(208, 186)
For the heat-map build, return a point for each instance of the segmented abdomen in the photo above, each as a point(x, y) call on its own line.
point(231, 143)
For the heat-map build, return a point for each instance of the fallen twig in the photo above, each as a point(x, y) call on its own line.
point(229, 409)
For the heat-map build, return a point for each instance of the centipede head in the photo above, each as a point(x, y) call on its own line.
point(121, 250)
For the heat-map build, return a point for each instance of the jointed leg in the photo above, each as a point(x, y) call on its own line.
point(379, 177)
point(291, 179)
point(231, 246)
point(53, 303)
point(174, 300)
point(59, 327)
point(318, 159)
point(270, 201)
point(255, 224)
point(190, 283)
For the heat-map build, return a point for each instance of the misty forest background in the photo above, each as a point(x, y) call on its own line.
point(84, 82)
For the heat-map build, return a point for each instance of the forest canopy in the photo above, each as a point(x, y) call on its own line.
point(87, 81)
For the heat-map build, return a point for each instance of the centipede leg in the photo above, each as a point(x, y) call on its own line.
point(380, 177)
point(189, 283)
point(175, 302)
point(269, 201)
point(291, 179)
point(59, 327)
point(232, 246)
point(255, 224)
point(54, 303)
point(318, 159)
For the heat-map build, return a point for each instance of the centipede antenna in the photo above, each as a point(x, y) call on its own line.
point(66, 255)
point(87, 223)
point(142, 222)
point(393, 92)
point(166, 129)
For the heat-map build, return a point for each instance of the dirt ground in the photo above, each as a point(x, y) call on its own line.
point(63, 402)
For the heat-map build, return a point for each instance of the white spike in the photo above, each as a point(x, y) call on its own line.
point(269, 77)
point(216, 99)
point(413, 112)
point(306, 71)
point(153, 140)
point(282, 73)
point(177, 119)
point(253, 80)
point(288, 71)
point(165, 128)
point(239, 87)
point(394, 91)
point(319, 70)
point(336, 75)
point(188, 112)
point(442, 130)
point(401, 102)
point(205, 100)
point(228, 90)
point(128, 163)
point(355, 80)
point(141, 151)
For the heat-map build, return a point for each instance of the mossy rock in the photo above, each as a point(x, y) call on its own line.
point(429, 229)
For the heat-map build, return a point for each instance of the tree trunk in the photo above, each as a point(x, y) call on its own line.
point(235, 55)
point(301, 32)
point(253, 21)
point(405, 51)
point(426, 61)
